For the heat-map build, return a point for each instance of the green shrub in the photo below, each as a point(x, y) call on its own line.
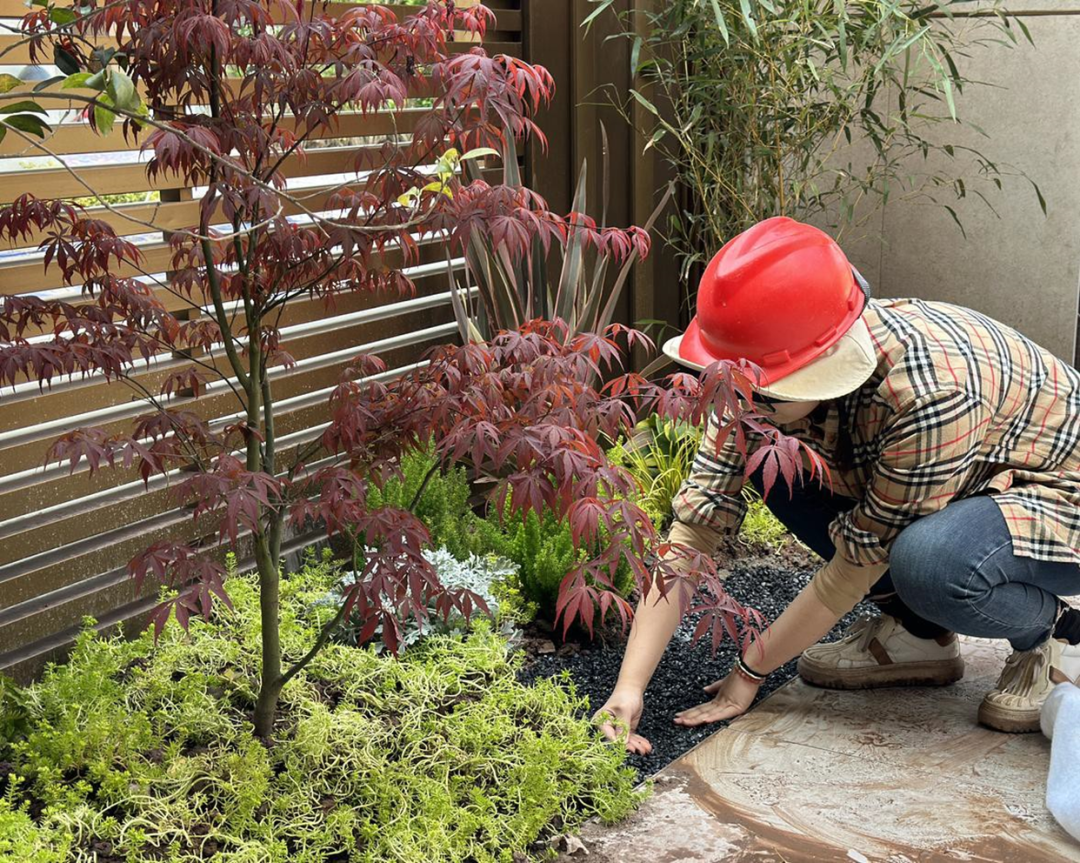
point(441, 755)
point(443, 505)
point(543, 549)
point(660, 457)
point(760, 526)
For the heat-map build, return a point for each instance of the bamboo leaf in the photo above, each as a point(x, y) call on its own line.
point(1025, 31)
point(956, 219)
point(645, 103)
point(947, 84)
point(1039, 195)
point(721, 23)
point(603, 6)
point(655, 366)
point(748, 17)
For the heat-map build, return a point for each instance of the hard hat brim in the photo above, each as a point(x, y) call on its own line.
point(840, 370)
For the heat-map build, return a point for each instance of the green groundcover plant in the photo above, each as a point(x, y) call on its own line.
point(134, 753)
point(541, 546)
point(440, 498)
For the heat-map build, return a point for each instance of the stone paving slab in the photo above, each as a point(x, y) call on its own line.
point(893, 775)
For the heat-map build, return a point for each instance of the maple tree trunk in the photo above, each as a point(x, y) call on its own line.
point(266, 555)
point(271, 683)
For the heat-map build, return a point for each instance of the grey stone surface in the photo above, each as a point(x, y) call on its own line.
point(890, 776)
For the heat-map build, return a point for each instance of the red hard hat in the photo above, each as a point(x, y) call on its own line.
point(779, 295)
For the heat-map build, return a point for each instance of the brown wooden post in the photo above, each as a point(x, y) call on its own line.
point(590, 70)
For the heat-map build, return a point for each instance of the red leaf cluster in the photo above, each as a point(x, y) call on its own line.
point(235, 92)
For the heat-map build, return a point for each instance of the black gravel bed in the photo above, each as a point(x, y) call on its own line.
point(684, 670)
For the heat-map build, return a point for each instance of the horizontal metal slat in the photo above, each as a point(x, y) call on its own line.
point(151, 217)
point(126, 178)
point(305, 341)
point(29, 405)
point(28, 448)
point(111, 508)
point(80, 138)
point(43, 487)
point(16, 50)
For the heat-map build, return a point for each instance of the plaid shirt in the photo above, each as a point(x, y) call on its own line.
point(959, 405)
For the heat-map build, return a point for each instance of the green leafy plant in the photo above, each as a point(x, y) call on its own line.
point(760, 527)
point(754, 104)
point(542, 547)
point(439, 497)
point(659, 455)
point(541, 550)
point(143, 754)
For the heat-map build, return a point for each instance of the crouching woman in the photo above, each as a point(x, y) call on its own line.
point(953, 443)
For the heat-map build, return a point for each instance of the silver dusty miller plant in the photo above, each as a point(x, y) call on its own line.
point(478, 574)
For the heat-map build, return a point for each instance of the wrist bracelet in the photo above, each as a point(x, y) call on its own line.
point(746, 671)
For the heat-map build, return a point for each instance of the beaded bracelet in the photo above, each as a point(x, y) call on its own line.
point(747, 672)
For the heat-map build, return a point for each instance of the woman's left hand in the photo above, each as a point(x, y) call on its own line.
point(732, 697)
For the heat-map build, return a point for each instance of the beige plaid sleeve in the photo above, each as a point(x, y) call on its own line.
point(709, 504)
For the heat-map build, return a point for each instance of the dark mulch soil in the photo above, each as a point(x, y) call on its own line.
point(767, 582)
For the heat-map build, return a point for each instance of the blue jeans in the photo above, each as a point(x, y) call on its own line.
point(951, 571)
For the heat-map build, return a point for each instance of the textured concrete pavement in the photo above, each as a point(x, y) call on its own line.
point(896, 775)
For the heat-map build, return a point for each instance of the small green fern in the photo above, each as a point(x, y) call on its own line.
point(543, 548)
point(443, 505)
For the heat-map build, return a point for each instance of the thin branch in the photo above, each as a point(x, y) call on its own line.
point(320, 642)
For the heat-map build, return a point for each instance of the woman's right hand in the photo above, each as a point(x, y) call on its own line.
point(625, 707)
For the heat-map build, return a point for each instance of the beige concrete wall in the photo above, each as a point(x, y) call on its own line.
point(1022, 268)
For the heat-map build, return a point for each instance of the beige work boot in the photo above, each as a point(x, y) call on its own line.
point(1025, 683)
point(878, 651)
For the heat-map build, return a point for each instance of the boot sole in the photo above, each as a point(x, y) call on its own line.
point(1009, 721)
point(936, 672)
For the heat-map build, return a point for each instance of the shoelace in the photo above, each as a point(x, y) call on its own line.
point(1021, 671)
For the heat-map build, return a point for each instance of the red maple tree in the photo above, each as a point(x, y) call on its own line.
point(223, 93)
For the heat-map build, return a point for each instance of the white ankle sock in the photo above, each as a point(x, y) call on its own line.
point(1061, 723)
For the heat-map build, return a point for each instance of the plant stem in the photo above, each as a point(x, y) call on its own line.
point(272, 682)
point(320, 642)
point(423, 485)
